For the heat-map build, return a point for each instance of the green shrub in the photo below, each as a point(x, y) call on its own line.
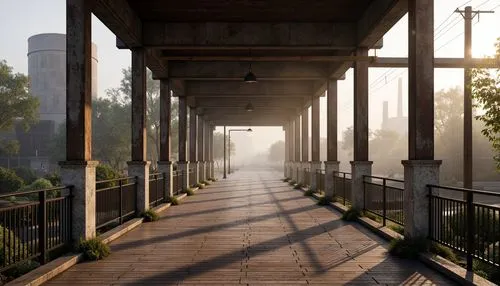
point(105, 172)
point(21, 269)
point(323, 201)
point(487, 271)
point(308, 193)
point(292, 182)
point(285, 180)
point(408, 248)
point(173, 201)
point(189, 192)
point(54, 178)
point(93, 249)
point(298, 186)
point(41, 184)
point(351, 215)
point(9, 181)
point(372, 216)
point(397, 228)
point(200, 186)
point(444, 252)
point(27, 174)
point(11, 243)
point(150, 215)
point(206, 183)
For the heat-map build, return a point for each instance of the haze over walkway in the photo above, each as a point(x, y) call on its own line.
point(250, 229)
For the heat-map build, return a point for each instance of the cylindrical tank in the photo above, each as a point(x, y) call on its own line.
point(47, 72)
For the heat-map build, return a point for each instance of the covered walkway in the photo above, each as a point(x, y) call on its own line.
point(249, 229)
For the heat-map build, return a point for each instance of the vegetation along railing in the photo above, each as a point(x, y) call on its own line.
point(342, 187)
point(384, 197)
point(307, 177)
point(156, 189)
point(34, 224)
point(320, 180)
point(115, 201)
point(467, 221)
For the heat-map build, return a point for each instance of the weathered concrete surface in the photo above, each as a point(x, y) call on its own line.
point(418, 174)
point(165, 118)
point(358, 170)
point(330, 167)
point(196, 171)
point(141, 170)
point(315, 165)
point(183, 168)
point(201, 171)
point(82, 176)
point(139, 105)
point(297, 137)
point(315, 130)
point(183, 127)
point(251, 229)
point(361, 108)
point(331, 121)
point(166, 167)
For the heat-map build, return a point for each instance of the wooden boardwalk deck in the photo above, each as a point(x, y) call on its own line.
point(250, 229)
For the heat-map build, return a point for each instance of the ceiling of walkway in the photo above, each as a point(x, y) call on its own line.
point(206, 47)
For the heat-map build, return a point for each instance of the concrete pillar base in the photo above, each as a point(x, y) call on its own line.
point(82, 176)
point(208, 167)
point(140, 169)
point(212, 170)
point(196, 172)
point(359, 169)
point(300, 173)
point(166, 168)
point(183, 172)
point(418, 174)
point(201, 171)
point(287, 173)
point(330, 167)
point(315, 165)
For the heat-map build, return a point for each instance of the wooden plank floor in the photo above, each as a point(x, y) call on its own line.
point(249, 229)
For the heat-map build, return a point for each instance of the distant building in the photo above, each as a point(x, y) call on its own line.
point(399, 123)
point(47, 73)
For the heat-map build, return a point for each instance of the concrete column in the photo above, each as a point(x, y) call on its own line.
point(193, 152)
point(165, 166)
point(183, 164)
point(315, 162)
point(360, 166)
point(139, 167)
point(332, 163)
point(212, 162)
point(287, 146)
point(78, 169)
point(421, 169)
point(201, 149)
point(290, 149)
point(305, 143)
point(297, 165)
point(207, 150)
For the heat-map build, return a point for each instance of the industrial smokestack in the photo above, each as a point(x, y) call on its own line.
point(385, 114)
point(400, 98)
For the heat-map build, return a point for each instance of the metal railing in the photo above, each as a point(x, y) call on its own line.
point(156, 189)
point(115, 201)
point(34, 224)
point(467, 221)
point(320, 180)
point(307, 177)
point(176, 183)
point(384, 197)
point(342, 187)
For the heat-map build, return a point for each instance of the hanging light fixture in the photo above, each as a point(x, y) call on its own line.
point(250, 77)
point(249, 107)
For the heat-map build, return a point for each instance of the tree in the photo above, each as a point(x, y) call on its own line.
point(9, 148)
point(15, 100)
point(277, 151)
point(348, 140)
point(219, 148)
point(486, 92)
point(9, 181)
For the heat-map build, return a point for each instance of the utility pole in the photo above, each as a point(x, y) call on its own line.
point(468, 14)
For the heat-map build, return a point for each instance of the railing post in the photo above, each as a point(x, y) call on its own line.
point(120, 182)
point(42, 226)
point(156, 190)
point(136, 189)
point(384, 203)
point(431, 213)
point(165, 195)
point(470, 229)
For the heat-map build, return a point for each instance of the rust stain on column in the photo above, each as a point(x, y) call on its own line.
point(138, 104)
point(315, 130)
point(165, 117)
point(182, 128)
point(361, 107)
point(331, 114)
point(297, 138)
point(78, 81)
point(305, 135)
point(193, 128)
point(421, 80)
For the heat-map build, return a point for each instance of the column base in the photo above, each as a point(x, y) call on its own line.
point(418, 174)
point(201, 171)
point(81, 175)
point(359, 169)
point(183, 172)
point(140, 169)
point(330, 167)
point(166, 168)
point(195, 165)
point(315, 165)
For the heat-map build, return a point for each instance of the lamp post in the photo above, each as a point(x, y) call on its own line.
point(229, 153)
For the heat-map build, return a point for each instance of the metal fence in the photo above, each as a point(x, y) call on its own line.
point(342, 187)
point(307, 177)
point(320, 180)
point(176, 183)
point(115, 201)
point(466, 221)
point(384, 197)
point(156, 189)
point(34, 224)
